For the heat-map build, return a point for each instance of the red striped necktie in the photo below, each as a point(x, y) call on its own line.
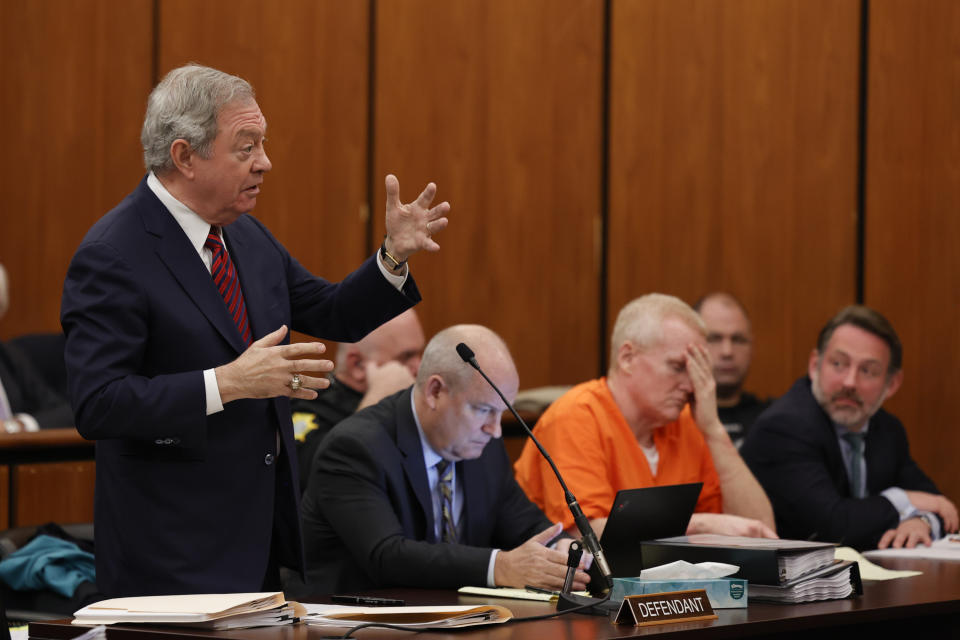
point(228, 282)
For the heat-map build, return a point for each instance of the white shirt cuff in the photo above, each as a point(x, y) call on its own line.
point(493, 561)
point(898, 498)
point(393, 278)
point(29, 422)
point(905, 509)
point(214, 404)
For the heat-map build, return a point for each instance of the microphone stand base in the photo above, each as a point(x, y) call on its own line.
point(598, 606)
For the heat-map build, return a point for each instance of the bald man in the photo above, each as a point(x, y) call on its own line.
point(730, 342)
point(382, 363)
point(417, 491)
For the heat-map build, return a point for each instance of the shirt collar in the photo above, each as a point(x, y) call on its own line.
point(430, 457)
point(842, 430)
point(192, 224)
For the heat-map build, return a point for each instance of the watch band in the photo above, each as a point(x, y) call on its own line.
point(392, 263)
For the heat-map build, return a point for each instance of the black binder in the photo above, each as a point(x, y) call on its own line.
point(758, 558)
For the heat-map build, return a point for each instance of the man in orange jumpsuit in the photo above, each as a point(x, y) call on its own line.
point(651, 421)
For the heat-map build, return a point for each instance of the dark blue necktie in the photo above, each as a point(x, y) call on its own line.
point(856, 442)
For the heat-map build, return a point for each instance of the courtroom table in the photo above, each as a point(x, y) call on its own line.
point(926, 607)
point(46, 476)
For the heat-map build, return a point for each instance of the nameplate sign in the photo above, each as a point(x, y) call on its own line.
point(662, 608)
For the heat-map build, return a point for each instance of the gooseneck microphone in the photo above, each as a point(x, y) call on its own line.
point(586, 531)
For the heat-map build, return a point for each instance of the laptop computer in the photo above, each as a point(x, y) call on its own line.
point(645, 514)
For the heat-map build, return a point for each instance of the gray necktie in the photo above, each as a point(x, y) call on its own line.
point(856, 442)
point(448, 528)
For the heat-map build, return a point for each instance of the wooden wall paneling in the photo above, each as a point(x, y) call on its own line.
point(307, 61)
point(733, 163)
point(912, 266)
point(60, 492)
point(500, 104)
point(76, 75)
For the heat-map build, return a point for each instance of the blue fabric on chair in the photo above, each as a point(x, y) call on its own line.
point(48, 563)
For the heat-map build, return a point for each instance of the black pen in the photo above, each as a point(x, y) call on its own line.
point(534, 589)
point(371, 601)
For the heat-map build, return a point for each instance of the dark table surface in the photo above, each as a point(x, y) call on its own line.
point(926, 604)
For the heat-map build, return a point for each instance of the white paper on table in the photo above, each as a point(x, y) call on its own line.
point(946, 548)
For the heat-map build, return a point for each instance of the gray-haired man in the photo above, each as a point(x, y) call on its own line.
point(183, 378)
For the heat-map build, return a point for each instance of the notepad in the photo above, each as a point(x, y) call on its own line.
point(413, 617)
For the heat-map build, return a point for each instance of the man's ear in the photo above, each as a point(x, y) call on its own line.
point(813, 364)
point(626, 355)
point(183, 156)
point(353, 369)
point(432, 390)
point(893, 384)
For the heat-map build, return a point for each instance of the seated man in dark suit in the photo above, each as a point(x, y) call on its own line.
point(836, 466)
point(417, 490)
point(27, 403)
point(367, 371)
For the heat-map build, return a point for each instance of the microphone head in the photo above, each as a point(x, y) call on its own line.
point(466, 353)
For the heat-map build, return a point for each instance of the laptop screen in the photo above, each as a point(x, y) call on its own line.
point(645, 514)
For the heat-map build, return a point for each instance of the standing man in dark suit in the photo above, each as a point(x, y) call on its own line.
point(417, 490)
point(836, 466)
point(183, 378)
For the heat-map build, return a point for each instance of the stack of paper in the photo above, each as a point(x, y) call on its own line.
point(332, 615)
point(840, 579)
point(206, 611)
point(793, 566)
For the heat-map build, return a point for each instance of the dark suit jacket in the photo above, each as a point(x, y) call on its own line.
point(793, 451)
point(29, 393)
point(185, 502)
point(368, 516)
point(333, 404)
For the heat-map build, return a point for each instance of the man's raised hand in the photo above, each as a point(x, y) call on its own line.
point(410, 227)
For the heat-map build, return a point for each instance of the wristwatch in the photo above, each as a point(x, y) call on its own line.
point(929, 518)
point(392, 263)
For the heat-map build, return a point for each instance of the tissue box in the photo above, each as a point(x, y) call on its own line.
point(724, 593)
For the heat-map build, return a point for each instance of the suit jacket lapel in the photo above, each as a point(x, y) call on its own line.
point(174, 249)
point(829, 435)
point(874, 465)
point(474, 499)
point(408, 441)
